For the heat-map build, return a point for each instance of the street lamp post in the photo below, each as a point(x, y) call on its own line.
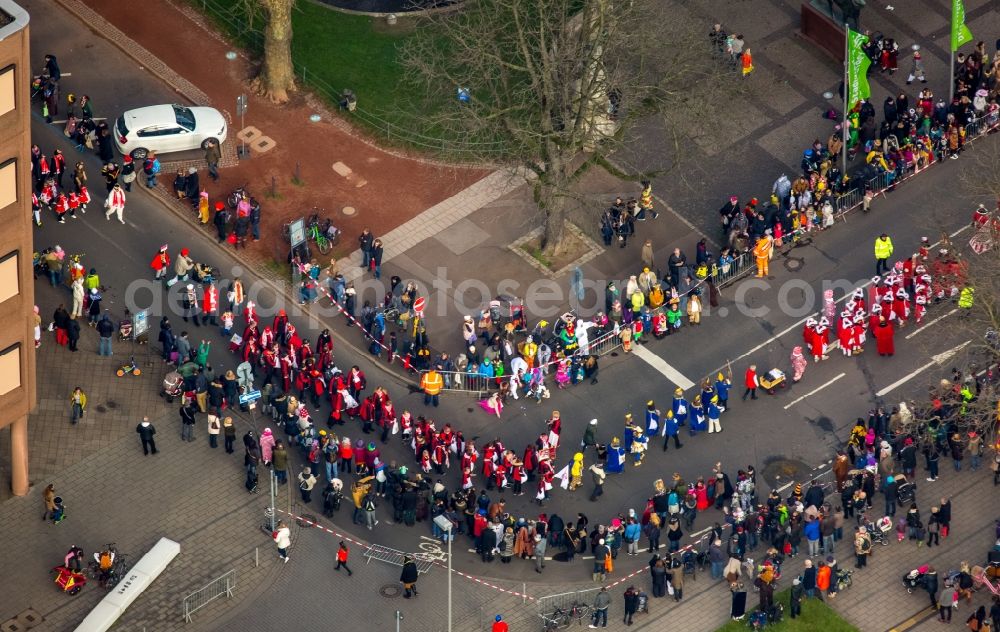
point(445, 525)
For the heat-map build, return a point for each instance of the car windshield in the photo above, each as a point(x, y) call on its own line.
point(185, 117)
point(122, 128)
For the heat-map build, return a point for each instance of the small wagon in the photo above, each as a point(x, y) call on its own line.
point(772, 380)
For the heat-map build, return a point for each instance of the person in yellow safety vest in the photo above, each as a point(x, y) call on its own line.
point(92, 281)
point(638, 301)
point(762, 253)
point(883, 250)
point(432, 383)
point(965, 300)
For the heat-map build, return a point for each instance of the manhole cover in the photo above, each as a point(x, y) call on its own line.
point(101, 409)
point(793, 263)
point(390, 591)
point(779, 470)
point(348, 210)
point(301, 520)
point(111, 405)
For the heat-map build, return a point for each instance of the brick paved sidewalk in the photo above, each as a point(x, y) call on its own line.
point(188, 492)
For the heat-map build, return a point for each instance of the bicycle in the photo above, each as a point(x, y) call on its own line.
point(563, 618)
point(119, 566)
point(325, 236)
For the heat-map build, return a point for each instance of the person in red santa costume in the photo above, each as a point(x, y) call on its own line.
point(901, 306)
point(857, 301)
point(250, 312)
point(920, 308)
point(845, 333)
point(61, 206)
point(809, 333)
point(278, 326)
point(875, 316)
point(555, 429)
point(546, 475)
point(859, 332)
point(406, 425)
point(469, 458)
point(884, 338)
point(820, 340)
point(335, 393)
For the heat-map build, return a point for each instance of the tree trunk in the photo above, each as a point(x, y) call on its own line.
point(277, 76)
point(554, 206)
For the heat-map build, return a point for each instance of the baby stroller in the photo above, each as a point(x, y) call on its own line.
point(203, 273)
point(915, 578)
point(689, 563)
point(332, 497)
point(759, 619)
point(643, 606)
point(879, 530)
point(173, 386)
point(125, 327)
point(905, 490)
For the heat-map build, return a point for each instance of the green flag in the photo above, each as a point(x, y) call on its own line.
point(857, 68)
point(960, 33)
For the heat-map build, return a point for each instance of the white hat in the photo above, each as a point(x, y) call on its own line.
point(190, 286)
point(593, 422)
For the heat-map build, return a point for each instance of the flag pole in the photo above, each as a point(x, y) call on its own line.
point(951, 77)
point(844, 135)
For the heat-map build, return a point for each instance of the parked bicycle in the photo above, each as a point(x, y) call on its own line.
point(321, 232)
point(109, 566)
point(563, 618)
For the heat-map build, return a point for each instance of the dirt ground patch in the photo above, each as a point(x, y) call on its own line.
point(386, 189)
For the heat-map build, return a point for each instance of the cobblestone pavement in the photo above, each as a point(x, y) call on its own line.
point(195, 492)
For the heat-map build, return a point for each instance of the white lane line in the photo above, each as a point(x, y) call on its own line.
point(661, 365)
point(814, 391)
point(815, 314)
point(926, 325)
point(698, 533)
point(785, 486)
point(788, 329)
point(935, 360)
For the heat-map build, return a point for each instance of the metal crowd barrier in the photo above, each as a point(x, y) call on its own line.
point(220, 587)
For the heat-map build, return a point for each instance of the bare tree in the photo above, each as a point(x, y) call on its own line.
point(277, 73)
point(966, 276)
point(553, 86)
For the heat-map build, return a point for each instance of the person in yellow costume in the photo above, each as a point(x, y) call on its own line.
point(762, 253)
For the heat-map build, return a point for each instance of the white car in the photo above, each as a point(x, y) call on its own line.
point(166, 128)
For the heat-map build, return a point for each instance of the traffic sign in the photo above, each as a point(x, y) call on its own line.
point(250, 396)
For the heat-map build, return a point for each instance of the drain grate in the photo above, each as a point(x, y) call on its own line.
point(390, 591)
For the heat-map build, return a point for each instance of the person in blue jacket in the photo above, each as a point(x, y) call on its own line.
point(698, 422)
point(616, 457)
point(652, 419)
point(680, 406)
point(722, 386)
point(671, 429)
point(628, 436)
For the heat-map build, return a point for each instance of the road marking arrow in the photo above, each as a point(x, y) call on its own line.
point(936, 359)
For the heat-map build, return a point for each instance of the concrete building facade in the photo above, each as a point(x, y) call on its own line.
point(17, 346)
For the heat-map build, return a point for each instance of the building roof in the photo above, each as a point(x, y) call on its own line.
point(12, 18)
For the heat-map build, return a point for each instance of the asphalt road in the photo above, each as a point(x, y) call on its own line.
point(773, 429)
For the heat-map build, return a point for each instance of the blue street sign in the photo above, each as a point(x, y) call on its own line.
point(251, 396)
